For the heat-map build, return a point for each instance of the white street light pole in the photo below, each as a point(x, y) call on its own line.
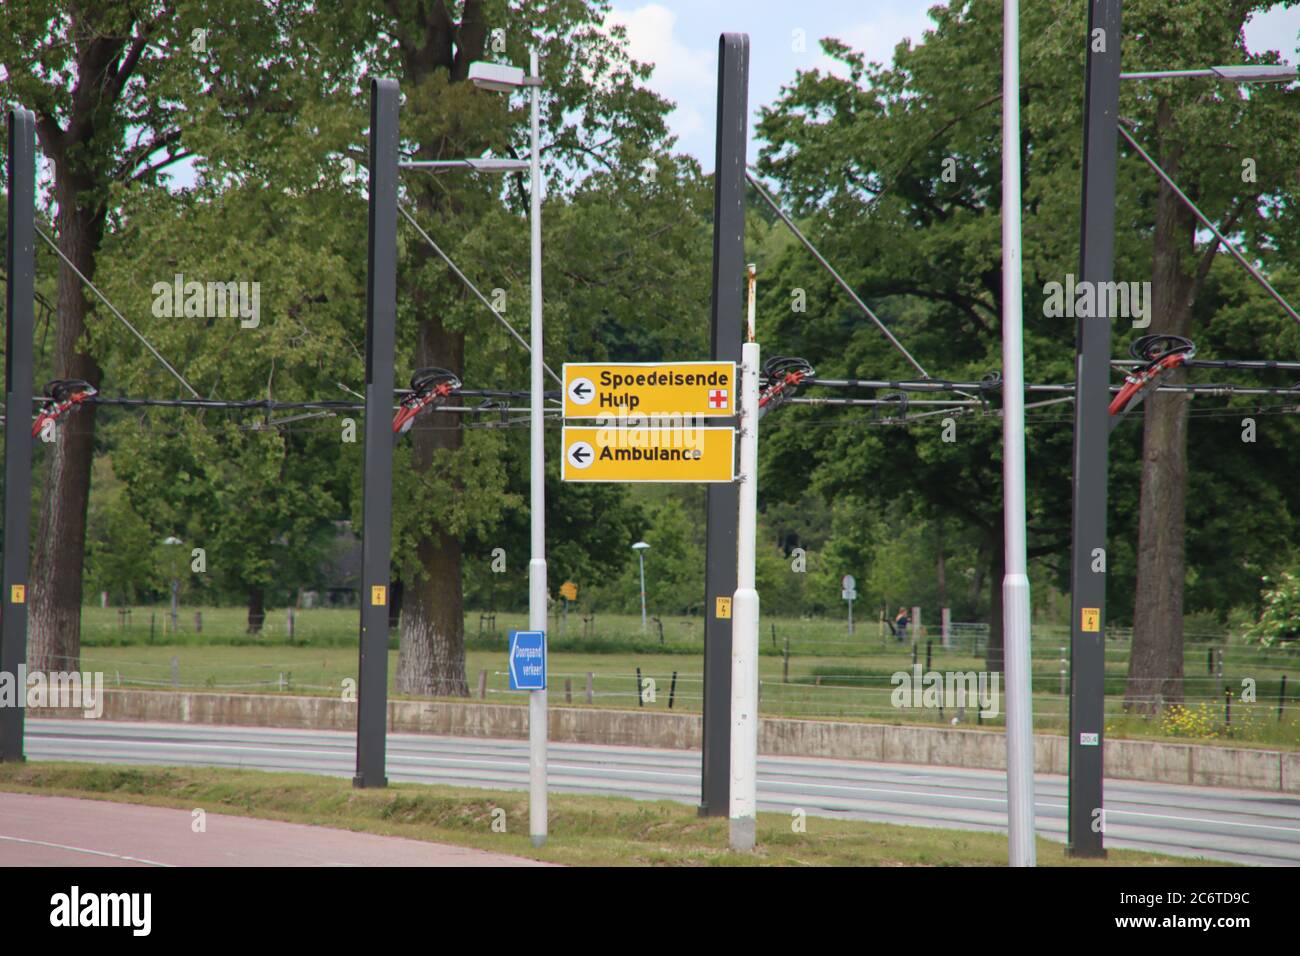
point(1015, 585)
point(640, 548)
point(537, 706)
point(744, 609)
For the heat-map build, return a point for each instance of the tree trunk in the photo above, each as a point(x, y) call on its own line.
point(256, 610)
point(55, 622)
point(993, 657)
point(1156, 660)
point(431, 658)
point(431, 654)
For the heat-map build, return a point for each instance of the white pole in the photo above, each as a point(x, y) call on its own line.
point(744, 609)
point(640, 556)
point(537, 710)
point(1015, 585)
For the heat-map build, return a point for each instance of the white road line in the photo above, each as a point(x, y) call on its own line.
point(82, 849)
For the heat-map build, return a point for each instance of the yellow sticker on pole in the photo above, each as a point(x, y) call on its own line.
point(378, 595)
point(724, 608)
point(595, 389)
point(616, 452)
point(18, 594)
point(1091, 619)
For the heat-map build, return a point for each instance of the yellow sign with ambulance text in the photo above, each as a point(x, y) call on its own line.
point(616, 452)
point(596, 389)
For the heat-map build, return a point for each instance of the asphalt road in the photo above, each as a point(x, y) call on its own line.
point(37, 830)
point(1244, 826)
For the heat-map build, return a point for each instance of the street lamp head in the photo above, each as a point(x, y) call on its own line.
point(493, 165)
point(640, 546)
point(497, 77)
point(1258, 72)
point(1251, 73)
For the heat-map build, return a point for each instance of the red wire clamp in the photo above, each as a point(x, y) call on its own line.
point(784, 376)
point(430, 387)
point(65, 394)
point(1163, 355)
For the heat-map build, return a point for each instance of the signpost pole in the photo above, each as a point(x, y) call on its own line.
point(723, 499)
point(377, 479)
point(744, 609)
point(20, 266)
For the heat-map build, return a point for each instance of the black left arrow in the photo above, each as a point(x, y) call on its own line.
point(578, 454)
point(580, 389)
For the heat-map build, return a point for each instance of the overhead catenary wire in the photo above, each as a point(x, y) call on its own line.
point(473, 288)
point(848, 289)
point(112, 308)
point(1168, 181)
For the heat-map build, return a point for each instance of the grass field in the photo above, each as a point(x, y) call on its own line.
point(828, 674)
point(591, 831)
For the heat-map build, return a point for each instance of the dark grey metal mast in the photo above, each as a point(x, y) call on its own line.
point(377, 481)
point(20, 264)
point(1092, 435)
point(727, 336)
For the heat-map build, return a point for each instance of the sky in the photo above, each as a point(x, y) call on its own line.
point(681, 38)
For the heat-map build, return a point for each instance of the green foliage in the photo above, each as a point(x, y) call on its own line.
point(1280, 620)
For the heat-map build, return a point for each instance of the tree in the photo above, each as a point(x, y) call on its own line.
point(863, 160)
point(1205, 135)
point(904, 162)
point(601, 132)
point(110, 85)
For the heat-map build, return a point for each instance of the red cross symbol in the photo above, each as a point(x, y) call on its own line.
point(717, 398)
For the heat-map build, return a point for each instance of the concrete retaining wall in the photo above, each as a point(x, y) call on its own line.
point(936, 746)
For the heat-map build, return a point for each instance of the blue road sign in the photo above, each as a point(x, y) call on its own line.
point(528, 660)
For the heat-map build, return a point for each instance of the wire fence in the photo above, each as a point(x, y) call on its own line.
point(1228, 688)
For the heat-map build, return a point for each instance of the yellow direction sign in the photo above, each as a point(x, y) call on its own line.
point(649, 388)
point(618, 453)
point(569, 591)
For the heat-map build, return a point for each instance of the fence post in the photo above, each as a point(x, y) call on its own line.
point(482, 684)
point(568, 690)
point(640, 702)
point(1218, 672)
point(927, 654)
point(672, 691)
point(1227, 708)
point(1281, 698)
point(1065, 688)
point(290, 622)
point(785, 663)
point(198, 622)
point(945, 626)
point(591, 688)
